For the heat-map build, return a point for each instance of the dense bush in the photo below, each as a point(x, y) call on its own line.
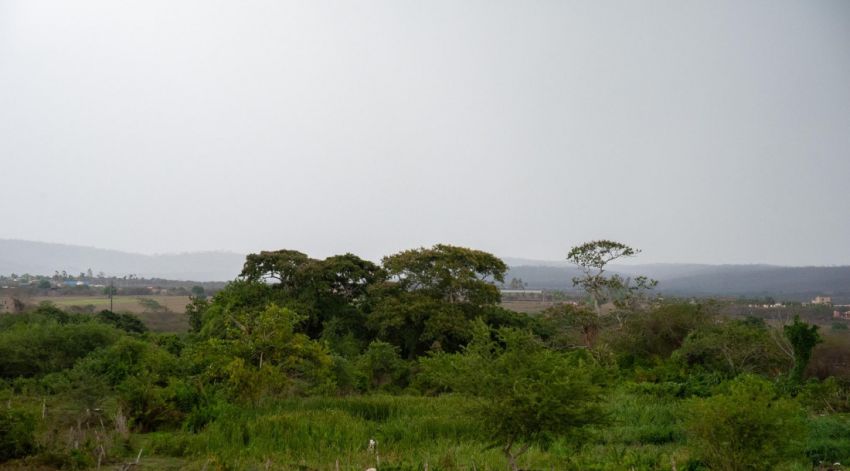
point(745, 427)
point(654, 335)
point(382, 368)
point(32, 349)
point(526, 393)
point(17, 434)
point(734, 347)
point(828, 439)
point(126, 322)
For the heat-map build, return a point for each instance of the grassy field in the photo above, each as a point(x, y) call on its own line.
point(528, 307)
point(415, 433)
point(172, 320)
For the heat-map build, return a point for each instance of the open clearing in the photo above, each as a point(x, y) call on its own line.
point(173, 320)
point(528, 307)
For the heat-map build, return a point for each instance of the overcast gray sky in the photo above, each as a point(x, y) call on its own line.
point(715, 131)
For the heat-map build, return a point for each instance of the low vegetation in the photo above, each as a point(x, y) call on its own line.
point(412, 364)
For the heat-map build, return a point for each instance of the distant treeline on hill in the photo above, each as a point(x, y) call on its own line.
point(40, 258)
point(786, 283)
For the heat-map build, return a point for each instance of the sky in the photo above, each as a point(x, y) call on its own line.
point(706, 132)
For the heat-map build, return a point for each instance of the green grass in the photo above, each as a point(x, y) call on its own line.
point(314, 433)
point(642, 432)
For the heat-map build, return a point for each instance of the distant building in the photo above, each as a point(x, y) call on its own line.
point(822, 300)
point(841, 315)
point(72, 283)
point(10, 305)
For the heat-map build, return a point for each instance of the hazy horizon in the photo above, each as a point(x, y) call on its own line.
point(510, 259)
point(713, 133)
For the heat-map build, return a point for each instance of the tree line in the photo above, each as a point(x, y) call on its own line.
point(427, 322)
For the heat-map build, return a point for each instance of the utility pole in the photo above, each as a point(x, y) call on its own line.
point(111, 290)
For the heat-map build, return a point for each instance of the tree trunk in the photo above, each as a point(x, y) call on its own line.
point(513, 456)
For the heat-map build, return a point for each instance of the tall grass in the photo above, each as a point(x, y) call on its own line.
point(314, 433)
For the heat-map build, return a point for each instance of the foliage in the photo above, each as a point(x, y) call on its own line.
point(526, 393)
point(592, 258)
point(733, 347)
point(49, 311)
point(803, 338)
point(17, 434)
point(382, 367)
point(195, 311)
point(827, 439)
point(145, 378)
point(321, 290)
point(290, 367)
point(32, 349)
point(259, 353)
point(566, 326)
point(152, 305)
point(448, 273)
point(417, 323)
point(435, 295)
point(654, 335)
point(746, 427)
point(124, 321)
point(828, 396)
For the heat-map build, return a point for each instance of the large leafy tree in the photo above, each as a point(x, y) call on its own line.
point(323, 292)
point(432, 295)
point(452, 274)
point(280, 266)
point(593, 258)
point(336, 289)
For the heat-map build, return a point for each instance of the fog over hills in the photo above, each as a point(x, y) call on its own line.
point(786, 283)
point(793, 283)
point(41, 258)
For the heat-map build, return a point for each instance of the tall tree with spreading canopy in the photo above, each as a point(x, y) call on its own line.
point(453, 274)
point(592, 258)
point(320, 290)
point(432, 295)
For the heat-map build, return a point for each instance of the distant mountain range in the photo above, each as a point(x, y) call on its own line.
point(40, 258)
point(786, 283)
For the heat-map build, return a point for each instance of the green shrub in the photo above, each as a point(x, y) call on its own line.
point(828, 439)
point(382, 368)
point(17, 434)
point(33, 349)
point(526, 394)
point(126, 322)
point(731, 348)
point(829, 395)
point(746, 427)
point(656, 334)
